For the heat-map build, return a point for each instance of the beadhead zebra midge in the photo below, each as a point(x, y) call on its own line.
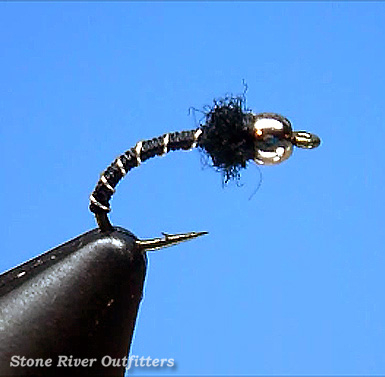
point(231, 136)
point(86, 292)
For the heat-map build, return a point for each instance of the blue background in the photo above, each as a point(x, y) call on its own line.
point(289, 282)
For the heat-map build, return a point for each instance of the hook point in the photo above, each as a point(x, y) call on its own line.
point(167, 240)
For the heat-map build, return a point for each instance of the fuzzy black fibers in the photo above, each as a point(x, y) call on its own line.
point(227, 136)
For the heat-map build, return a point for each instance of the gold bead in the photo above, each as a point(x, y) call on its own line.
point(273, 134)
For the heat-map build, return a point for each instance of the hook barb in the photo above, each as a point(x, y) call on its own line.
point(167, 240)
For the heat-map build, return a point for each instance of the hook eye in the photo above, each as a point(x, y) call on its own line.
point(303, 139)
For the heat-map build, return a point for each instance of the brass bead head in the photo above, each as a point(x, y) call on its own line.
point(273, 134)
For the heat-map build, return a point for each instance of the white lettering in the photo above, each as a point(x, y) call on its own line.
point(106, 361)
point(136, 361)
point(170, 363)
point(130, 362)
point(63, 360)
point(15, 361)
point(69, 361)
point(92, 361)
point(30, 362)
point(43, 362)
point(22, 361)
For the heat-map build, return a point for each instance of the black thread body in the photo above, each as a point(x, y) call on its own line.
point(150, 148)
point(226, 137)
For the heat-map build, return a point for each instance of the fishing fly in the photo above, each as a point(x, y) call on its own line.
point(82, 297)
point(231, 136)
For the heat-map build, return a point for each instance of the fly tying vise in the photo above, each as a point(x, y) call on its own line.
point(231, 136)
